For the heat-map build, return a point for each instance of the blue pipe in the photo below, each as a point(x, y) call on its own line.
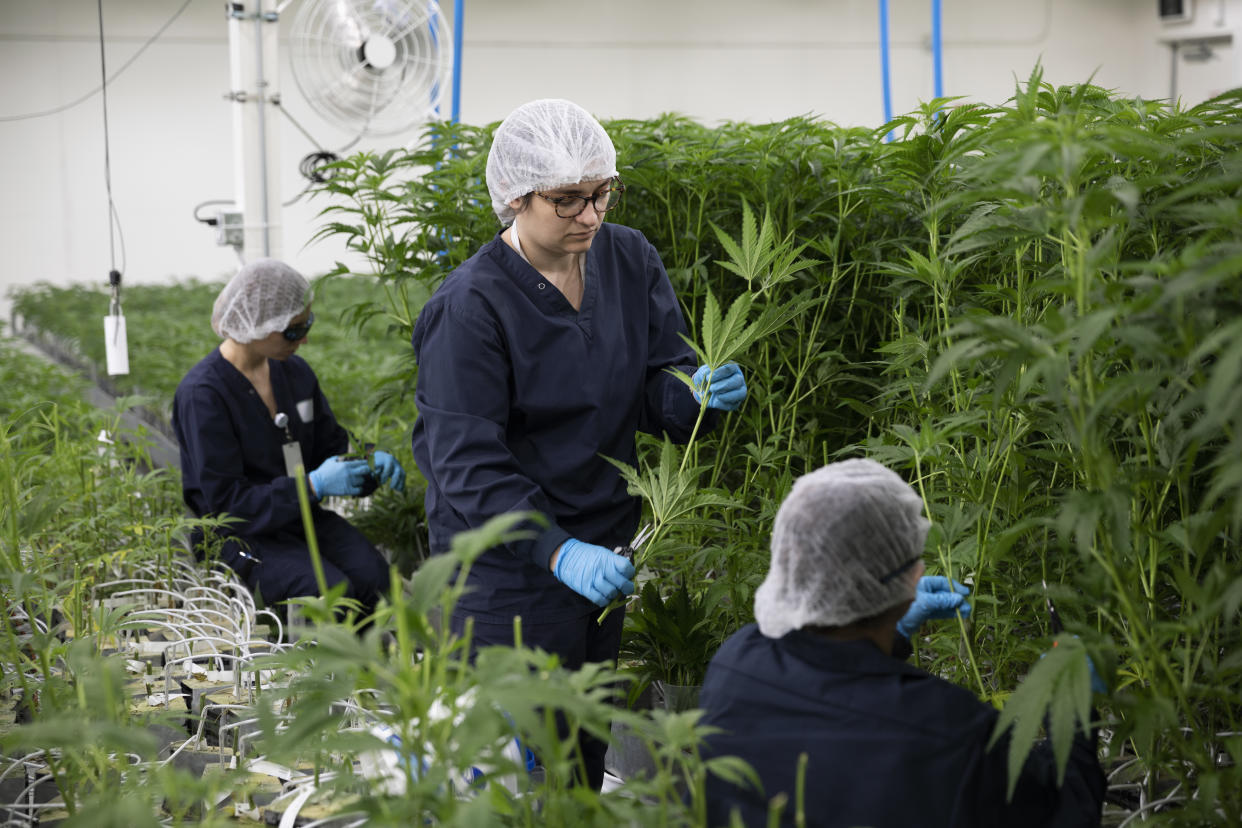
point(937, 52)
point(459, 14)
point(885, 78)
point(434, 31)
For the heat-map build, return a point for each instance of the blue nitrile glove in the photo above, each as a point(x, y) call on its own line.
point(935, 597)
point(339, 477)
point(1097, 683)
point(725, 387)
point(388, 470)
point(593, 572)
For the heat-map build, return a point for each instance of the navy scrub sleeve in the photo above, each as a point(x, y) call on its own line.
point(887, 743)
point(519, 395)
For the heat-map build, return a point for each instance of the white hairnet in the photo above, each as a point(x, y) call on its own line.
point(838, 533)
point(545, 144)
point(260, 299)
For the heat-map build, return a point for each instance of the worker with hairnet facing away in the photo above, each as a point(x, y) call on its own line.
point(824, 672)
point(246, 417)
point(544, 353)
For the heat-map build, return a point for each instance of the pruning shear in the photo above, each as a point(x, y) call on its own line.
point(627, 551)
point(1053, 617)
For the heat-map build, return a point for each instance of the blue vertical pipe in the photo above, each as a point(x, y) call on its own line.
point(885, 79)
point(937, 53)
point(459, 15)
point(433, 29)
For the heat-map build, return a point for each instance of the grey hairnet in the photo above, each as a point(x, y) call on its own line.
point(840, 530)
point(545, 144)
point(260, 299)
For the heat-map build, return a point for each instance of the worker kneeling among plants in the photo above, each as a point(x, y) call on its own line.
point(823, 672)
point(248, 416)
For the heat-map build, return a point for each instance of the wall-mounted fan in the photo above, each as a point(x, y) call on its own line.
point(378, 66)
point(369, 67)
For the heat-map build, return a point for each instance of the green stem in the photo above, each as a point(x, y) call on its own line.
point(308, 526)
point(948, 570)
point(694, 433)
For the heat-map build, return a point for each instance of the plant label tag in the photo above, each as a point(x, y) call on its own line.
point(116, 345)
point(293, 457)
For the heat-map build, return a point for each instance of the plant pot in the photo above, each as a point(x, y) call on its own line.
point(675, 697)
point(627, 756)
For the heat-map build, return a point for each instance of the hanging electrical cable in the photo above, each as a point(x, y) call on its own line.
point(103, 71)
point(312, 167)
point(115, 342)
point(76, 101)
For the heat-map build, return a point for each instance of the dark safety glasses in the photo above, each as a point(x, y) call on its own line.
point(905, 567)
point(295, 332)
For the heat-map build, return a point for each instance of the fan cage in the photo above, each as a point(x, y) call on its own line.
point(328, 55)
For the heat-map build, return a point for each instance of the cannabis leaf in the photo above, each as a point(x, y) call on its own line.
point(1058, 688)
point(760, 256)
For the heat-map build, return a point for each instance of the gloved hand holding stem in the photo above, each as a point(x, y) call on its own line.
point(596, 573)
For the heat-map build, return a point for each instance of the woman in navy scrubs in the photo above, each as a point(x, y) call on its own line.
point(545, 352)
point(246, 416)
point(818, 699)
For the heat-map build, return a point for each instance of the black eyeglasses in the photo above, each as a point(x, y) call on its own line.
point(569, 206)
point(295, 332)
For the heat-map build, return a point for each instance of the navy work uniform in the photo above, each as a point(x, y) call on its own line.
point(888, 744)
point(520, 396)
point(232, 462)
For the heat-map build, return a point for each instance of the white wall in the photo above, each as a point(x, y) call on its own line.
point(171, 128)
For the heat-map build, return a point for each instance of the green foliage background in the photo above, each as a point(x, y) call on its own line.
point(81, 521)
point(1031, 311)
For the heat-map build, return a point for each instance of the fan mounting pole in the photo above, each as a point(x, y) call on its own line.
point(254, 71)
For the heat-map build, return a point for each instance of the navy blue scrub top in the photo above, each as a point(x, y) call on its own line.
point(519, 395)
point(888, 744)
point(231, 457)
